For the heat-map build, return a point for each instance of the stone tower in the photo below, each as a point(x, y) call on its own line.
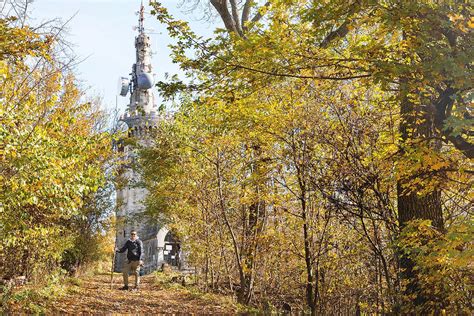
point(140, 117)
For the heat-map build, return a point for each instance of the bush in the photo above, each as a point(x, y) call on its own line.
point(443, 263)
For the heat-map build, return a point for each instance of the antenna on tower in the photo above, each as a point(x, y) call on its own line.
point(141, 18)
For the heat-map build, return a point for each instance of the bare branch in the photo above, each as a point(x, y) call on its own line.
point(223, 10)
point(235, 16)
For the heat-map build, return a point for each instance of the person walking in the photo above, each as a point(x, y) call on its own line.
point(135, 254)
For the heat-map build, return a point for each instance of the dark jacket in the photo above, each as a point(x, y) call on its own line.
point(135, 250)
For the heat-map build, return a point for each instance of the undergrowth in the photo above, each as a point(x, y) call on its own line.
point(173, 281)
point(32, 298)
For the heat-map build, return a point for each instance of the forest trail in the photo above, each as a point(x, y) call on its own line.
point(94, 296)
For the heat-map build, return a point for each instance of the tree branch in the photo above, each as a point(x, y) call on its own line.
point(235, 16)
point(343, 29)
point(259, 15)
point(246, 13)
point(340, 32)
point(443, 106)
point(222, 9)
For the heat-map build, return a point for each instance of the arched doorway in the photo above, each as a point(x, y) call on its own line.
point(172, 250)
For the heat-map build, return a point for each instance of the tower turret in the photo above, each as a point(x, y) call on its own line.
point(141, 111)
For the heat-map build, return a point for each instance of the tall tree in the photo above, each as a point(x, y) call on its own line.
point(51, 153)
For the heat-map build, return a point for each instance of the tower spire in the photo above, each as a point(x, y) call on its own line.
point(141, 81)
point(141, 18)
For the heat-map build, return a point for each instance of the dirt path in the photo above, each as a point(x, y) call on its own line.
point(94, 296)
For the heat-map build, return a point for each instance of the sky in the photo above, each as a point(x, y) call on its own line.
point(102, 31)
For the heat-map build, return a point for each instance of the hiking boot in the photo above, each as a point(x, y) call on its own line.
point(124, 288)
point(135, 288)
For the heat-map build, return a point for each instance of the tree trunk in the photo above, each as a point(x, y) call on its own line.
point(308, 260)
point(412, 206)
point(415, 201)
